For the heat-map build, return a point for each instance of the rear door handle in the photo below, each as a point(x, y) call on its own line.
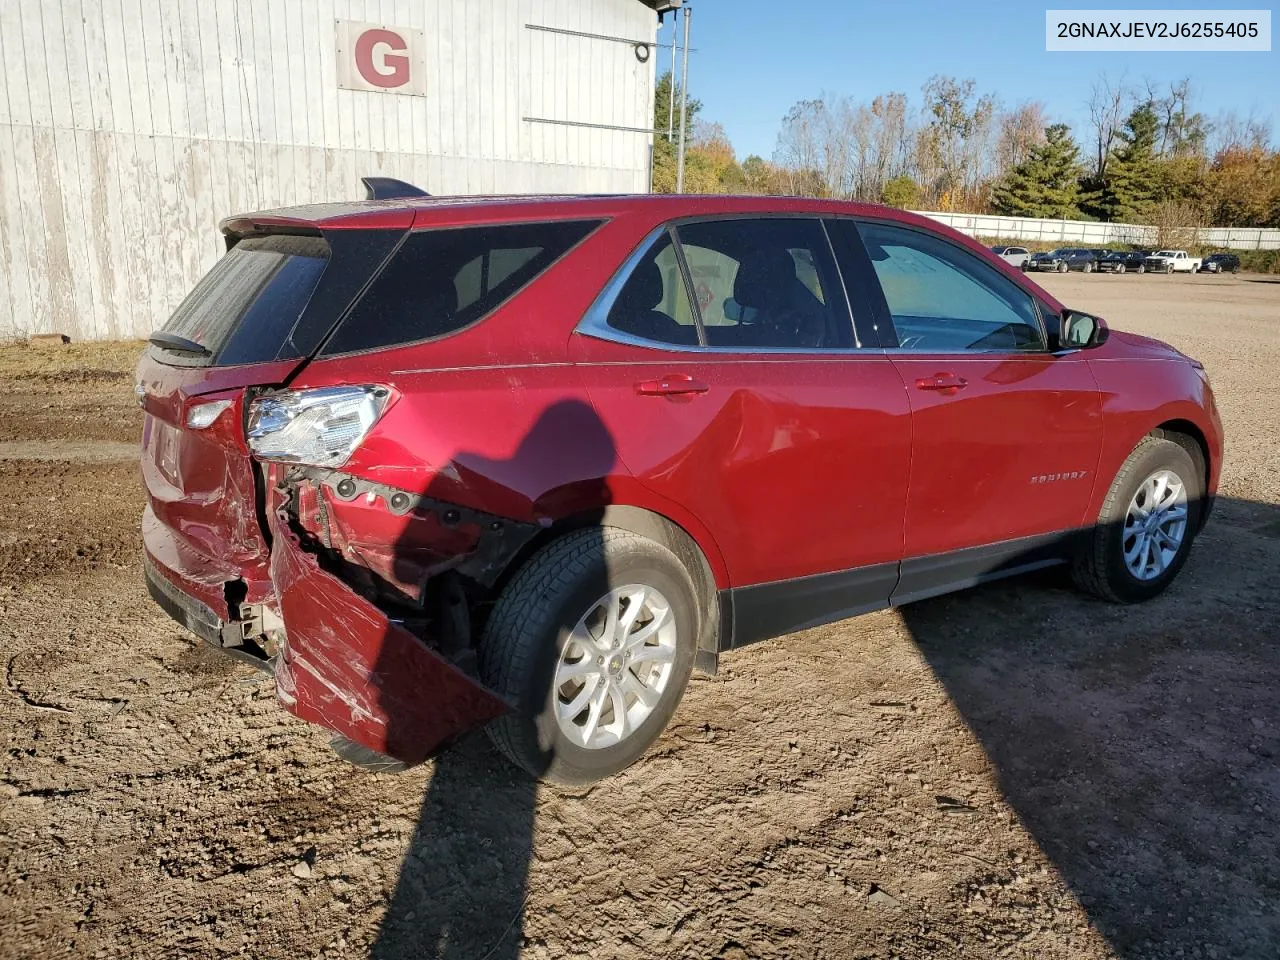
point(671, 385)
point(947, 383)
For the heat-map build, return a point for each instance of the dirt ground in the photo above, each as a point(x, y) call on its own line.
point(1016, 771)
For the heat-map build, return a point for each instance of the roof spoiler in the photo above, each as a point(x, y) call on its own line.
point(387, 188)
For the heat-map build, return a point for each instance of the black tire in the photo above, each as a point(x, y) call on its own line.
point(530, 625)
point(1120, 268)
point(1062, 268)
point(1088, 268)
point(1099, 567)
point(1142, 268)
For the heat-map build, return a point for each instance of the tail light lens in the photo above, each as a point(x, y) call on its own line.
point(320, 427)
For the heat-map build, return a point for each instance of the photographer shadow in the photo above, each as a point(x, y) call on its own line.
point(463, 883)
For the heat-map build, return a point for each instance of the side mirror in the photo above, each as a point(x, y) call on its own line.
point(1080, 331)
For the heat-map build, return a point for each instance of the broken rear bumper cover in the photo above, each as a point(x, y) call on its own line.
point(342, 663)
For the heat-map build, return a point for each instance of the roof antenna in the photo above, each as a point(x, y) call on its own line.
point(387, 188)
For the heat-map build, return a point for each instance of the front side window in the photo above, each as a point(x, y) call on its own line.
point(943, 298)
point(768, 283)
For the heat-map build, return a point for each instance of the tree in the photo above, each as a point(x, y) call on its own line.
point(762, 177)
point(1021, 129)
point(664, 148)
point(1182, 133)
point(956, 137)
point(1107, 103)
point(1047, 183)
point(901, 191)
point(1133, 183)
point(1242, 187)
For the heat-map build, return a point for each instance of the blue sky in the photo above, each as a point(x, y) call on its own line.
point(753, 60)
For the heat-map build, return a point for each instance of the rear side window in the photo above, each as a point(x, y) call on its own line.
point(765, 284)
point(244, 308)
point(440, 281)
point(654, 302)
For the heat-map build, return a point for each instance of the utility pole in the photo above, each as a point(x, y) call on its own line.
point(684, 102)
point(671, 89)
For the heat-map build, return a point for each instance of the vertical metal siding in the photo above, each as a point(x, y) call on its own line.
point(128, 128)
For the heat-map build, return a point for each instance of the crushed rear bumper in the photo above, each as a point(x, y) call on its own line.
point(344, 665)
point(341, 662)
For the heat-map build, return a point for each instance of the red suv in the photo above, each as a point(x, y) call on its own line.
point(526, 462)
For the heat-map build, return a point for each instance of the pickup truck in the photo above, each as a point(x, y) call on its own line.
point(1172, 261)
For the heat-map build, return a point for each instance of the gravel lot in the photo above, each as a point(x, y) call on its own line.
point(1015, 771)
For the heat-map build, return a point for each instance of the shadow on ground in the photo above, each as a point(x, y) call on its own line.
point(1139, 745)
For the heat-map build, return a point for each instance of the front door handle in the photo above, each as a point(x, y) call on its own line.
point(671, 385)
point(944, 383)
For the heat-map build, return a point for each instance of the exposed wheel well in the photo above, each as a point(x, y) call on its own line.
point(714, 627)
point(1188, 436)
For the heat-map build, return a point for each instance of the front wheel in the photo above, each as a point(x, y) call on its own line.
point(1062, 268)
point(1088, 268)
point(592, 643)
point(1146, 525)
point(1120, 268)
point(1142, 268)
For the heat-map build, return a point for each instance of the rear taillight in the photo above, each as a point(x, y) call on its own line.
point(320, 427)
point(203, 414)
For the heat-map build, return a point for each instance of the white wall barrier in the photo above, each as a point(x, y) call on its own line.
point(1085, 232)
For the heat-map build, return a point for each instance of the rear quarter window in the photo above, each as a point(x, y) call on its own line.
point(443, 280)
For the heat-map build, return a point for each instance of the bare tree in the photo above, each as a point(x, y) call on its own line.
point(1020, 129)
point(1229, 130)
point(799, 150)
point(1182, 132)
point(1109, 104)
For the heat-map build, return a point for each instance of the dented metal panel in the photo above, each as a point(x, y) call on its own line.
point(346, 666)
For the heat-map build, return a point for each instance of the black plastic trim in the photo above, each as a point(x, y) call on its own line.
point(931, 576)
point(766, 610)
point(785, 606)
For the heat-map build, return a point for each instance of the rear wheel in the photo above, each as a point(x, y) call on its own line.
point(592, 643)
point(1146, 525)
point(1142, 268)
point(1088, 268)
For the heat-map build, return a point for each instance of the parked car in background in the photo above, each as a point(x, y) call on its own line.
point(1015, 256)
point(1220, 263)
point(1172, 261)
point(1064, 259)
point(437, 463)
point(1124, 261)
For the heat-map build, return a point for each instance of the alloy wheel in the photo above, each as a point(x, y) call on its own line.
point(1155, 525)
point(615, 665)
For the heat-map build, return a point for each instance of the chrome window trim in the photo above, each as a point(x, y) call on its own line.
point(595, 321)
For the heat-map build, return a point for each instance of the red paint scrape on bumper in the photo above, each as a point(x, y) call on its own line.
point(346, 667)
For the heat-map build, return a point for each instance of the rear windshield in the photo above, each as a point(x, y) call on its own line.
point(443, 280)
point(244, 308)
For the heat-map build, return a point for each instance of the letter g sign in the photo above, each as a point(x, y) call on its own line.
point(393, 70)
point(380, 58)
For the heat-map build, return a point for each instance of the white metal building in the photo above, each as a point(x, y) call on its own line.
point(129, 128)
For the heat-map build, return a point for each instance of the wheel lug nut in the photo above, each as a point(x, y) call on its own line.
point(599, 660)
